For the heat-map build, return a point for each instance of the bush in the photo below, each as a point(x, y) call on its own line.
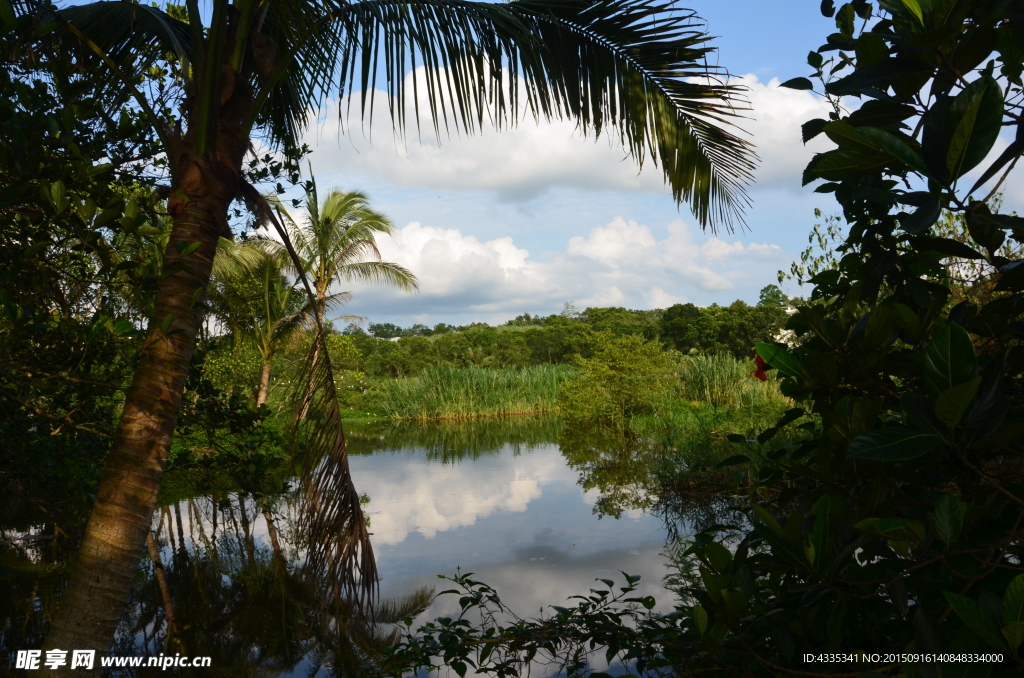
point(625, 377)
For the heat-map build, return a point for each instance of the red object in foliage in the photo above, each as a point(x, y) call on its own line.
point(759, 372)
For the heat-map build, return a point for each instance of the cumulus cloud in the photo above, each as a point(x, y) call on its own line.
point(433, 498)
point(521, 163)
point(621, 263)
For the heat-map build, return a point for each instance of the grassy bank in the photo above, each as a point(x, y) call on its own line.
point(443, 392)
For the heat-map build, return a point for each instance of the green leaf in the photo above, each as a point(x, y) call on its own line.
point(779, 358)
point(6, 12)
point(847, 164)
point(894, 146)
point(1013, 600)
point(798, 83)
point(812, 128)
point(165, 325)
point(700, 619)
point(923, 217)
point(734, 460)
point(947, 246)
point(949, 518)
point(718, 556)
point(819, 534)
point(949, 360)
point(953, 402)
point(915, 9)
point(880, 113)
point(978, 110)
point(782, 547)
point(893, 443)
point(975, 618)
point(1014, 634)
point(849, 137)
point(768, 519)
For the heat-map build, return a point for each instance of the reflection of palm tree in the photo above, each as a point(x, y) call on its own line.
point(354, 640)
point(250, 608)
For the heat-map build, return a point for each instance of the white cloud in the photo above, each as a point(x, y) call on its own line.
point(777, 116)
point(621, 263)
point(521, 163)
point(433, 498)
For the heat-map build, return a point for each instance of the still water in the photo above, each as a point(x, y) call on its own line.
point(535, 511)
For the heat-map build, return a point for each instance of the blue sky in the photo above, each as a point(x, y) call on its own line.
point(523, 221)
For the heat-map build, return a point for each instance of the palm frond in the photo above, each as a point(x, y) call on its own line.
point(128, 32)
point(380, 273)
point(339, 556)
point(637, 67)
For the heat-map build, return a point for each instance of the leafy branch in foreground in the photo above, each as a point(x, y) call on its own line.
point(617, 621)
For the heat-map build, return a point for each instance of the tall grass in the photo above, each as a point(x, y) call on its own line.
point(723, 381)
point(444, 392)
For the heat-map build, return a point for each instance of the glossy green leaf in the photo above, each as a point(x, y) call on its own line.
point(894, 146)
point(1013, 601)
point(949, 360)
point(819, 535)
point(779, 358)
point(915, 9)
point(849, 137)
point(718, 556)
point(893, 443)
point(978, 113)
point(847, 164)
point(954, 402)
point(949, 518)
point(1014, 634)
point(975, 618)
point(700, 619)
point(767, 518)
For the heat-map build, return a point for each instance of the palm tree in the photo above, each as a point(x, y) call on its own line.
point(336, 243)
point(257, 303)
point(254, 71)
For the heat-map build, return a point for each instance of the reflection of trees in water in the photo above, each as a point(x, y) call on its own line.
point(632, 472)
point(455, 441)
point(33, 573)
point(619, 466)
point(233, 567)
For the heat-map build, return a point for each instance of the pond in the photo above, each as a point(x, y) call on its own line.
point(536, 512)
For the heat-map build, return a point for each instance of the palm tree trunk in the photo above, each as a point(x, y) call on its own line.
point(261, 397)
point(115, 536)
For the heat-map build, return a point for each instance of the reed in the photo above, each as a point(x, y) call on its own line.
point(445, 392)
point(723, 381)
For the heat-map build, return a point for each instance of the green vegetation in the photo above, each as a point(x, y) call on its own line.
point(445, 392)
point(880, 520)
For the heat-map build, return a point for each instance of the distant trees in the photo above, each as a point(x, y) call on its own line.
point(733, 329)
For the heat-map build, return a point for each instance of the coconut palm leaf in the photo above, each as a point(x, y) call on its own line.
point(638, 67)
point(339, 560)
